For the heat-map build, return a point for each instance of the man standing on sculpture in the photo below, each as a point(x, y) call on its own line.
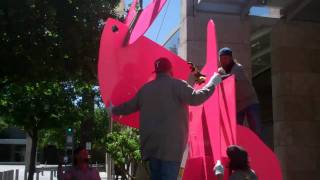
point(163, 105)
point(246, 98)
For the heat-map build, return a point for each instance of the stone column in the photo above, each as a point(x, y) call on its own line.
point(296, 98)
point(121, 8)
point(232, 31)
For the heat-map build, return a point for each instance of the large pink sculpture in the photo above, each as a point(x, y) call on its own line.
point(126, 63)
point(213, 128)
point(124, 68)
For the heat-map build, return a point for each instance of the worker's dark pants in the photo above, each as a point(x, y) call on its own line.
point(163, 170)
point(252, 115)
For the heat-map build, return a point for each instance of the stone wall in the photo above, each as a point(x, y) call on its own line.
point(296, 98)
point(231, 30)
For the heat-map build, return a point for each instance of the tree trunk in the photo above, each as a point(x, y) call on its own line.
point(86, 131)
point(32, 163)
point(87, 125)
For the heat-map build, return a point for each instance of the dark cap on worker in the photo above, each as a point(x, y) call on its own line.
point(225, 51)
point(162, 65)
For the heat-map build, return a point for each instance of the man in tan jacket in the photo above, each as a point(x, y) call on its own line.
point(163, 105)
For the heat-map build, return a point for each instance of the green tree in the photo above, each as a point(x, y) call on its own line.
point(123, 146)
point(53, 136)
point(37, 106)
point(44, 43)
point(101, 127)
point(56, 136)
point(3, 124)
point(57, 39)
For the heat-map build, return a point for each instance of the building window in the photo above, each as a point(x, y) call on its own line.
point(172, 43)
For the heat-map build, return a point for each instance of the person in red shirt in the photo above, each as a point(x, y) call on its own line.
point(81, 169)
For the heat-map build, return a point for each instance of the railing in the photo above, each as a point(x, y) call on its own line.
point(40, 172)
point(54, 170)
point(9, 175)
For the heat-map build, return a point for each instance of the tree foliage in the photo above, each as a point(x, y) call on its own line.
point(3, 124)
point(36, 106)
point(51, 39)
point(40, 105)
point(49, 51)
point(123, 146)
point(57, 137)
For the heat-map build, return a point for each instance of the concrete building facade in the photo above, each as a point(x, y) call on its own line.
point(12, 146)
point(282, 55)
point(233, 29)
point(296, 98)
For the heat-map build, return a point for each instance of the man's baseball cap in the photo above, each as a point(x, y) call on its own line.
point(162, 65)
point(225, 51)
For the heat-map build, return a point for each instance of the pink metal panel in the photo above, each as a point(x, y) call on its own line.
point(263, 160)
point(124, 68)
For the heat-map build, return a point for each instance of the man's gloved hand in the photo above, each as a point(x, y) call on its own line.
point(216, 79)
point(218, 168)
point(221, 71)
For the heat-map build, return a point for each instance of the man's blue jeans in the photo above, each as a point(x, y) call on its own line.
point(252, 114)
point(163, 170)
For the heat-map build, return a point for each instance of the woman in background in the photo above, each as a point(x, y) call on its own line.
point(239, 167)
point(81, 169)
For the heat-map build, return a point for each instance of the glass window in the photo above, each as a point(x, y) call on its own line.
point(172, 43)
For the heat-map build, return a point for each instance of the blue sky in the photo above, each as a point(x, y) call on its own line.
point(171, 19)
point(259, 11)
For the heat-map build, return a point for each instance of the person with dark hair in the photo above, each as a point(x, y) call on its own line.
point(163, 105)
point(239, 168)
point(248, 107)
point(80, 169)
